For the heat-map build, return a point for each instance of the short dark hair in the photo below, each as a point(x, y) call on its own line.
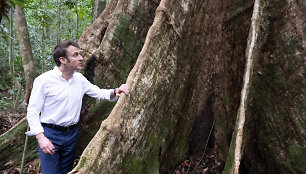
point(60, 50)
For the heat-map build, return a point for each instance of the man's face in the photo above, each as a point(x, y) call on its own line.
point(75, 58)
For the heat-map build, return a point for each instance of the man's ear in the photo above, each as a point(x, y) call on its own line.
point(62, 60)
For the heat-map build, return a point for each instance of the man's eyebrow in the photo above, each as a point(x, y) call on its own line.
point(80, 51)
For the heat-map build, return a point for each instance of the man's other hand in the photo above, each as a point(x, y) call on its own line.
point(45, 144)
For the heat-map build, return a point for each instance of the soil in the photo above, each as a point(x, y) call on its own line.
point(10, 118)
point(210, 164)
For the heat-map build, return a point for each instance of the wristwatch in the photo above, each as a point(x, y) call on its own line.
point(115, 91)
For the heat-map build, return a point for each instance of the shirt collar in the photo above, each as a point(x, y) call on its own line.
point(57, 71)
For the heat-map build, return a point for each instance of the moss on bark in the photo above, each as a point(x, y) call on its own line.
point(296, 159)
point(12, 144)
point(128, 45)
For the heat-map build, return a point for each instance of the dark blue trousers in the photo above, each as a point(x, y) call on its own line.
point(61, 162)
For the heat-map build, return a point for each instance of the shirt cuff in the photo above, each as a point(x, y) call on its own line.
point(33, 133)
point(114, 99)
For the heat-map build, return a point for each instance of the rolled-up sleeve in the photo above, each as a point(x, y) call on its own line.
point(34, 108)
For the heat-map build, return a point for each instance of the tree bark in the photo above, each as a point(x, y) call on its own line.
point(171, 83)
point(111, 46)
point(168, 96)
point(44, 36)
point(11, 64)
point(25, 51)
point(99, 7)
point(275, 119)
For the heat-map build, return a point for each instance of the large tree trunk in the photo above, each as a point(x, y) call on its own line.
point(112, 45)
point(171, 83)
point(190, 70)
point(188, 74)
point(25, 51)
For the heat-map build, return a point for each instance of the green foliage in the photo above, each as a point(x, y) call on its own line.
point(5, 102)
point(13, 3)
point(42, 25)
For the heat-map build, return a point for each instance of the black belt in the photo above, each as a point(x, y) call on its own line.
point(59, 128)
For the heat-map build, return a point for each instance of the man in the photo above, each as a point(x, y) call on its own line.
point(57, 97)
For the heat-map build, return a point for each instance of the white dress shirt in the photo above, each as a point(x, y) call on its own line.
point(59, 101)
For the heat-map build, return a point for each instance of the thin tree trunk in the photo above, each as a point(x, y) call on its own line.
point(43, 66)
point(58, 23)
point(77, 20)
point(25, 51)
point(11, 64)
point(47, 23)
point(43, 38)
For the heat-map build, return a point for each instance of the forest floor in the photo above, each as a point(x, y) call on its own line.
point(10, 118)
point(209, 163)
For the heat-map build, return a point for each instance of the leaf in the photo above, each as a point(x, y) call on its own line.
point(69, 3)
point(12, 3)
point(187, 163)
point(6, 16)
point(4, 37)
point(5, 29)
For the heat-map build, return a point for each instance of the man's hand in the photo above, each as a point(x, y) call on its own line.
point(123, 88)
point(45, 144)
